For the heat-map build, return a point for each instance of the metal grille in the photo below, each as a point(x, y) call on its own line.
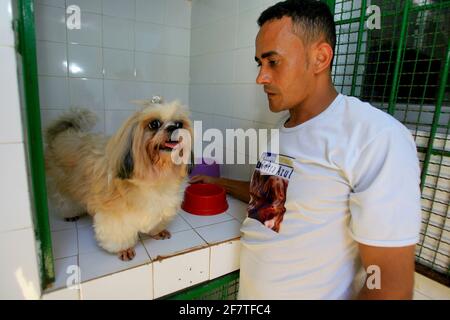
point(402, 68)
point(223, 288)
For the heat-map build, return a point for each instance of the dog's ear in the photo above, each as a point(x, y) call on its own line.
point(127, 166)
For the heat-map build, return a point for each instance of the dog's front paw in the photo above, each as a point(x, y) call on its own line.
point(162, 235)
point(127, 255)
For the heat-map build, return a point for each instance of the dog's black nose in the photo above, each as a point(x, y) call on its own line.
point(171, 128)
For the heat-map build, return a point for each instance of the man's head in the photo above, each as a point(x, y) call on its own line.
point(294, 50)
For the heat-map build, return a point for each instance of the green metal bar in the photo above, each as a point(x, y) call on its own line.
point(358, 45)
point(347, 21)
point(434, 6)
point(27, 48)
point(436, 116)
point(205, 288)
point(435, 152)
point(401, 45)
point(331, 4)
point(437, 113)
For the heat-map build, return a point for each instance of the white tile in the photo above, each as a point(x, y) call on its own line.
point(237, 209)
point(224, 72)
point(198, 44)
point(86, 240)
point(150, 37)
point(178, 13)
point(87, 93)
point(197, 221)
point(176, 92)
point(10, 117)
point(431, 288)
point(178, 224)
point(118, 64)
point(132, 284)
point(114, 119)
point(50, 23)
point(90, 32)
point(100, 263)
point(118, 33)
point(248, 28)
point(14, 197)
point(176, 41)
point(179, 242)
point(94, 6)
point(150, 10)
point(52, 58)
point(150, 67)
point(119, 8)
point(19, 276)
point(6, 32)
point(53, 92)
point(419, 296)
point(179, 272)
point(55, 3)
point(64, 243)
point(176, 69)
point(246, 69)
point(66, 273)
point(85, 61)
point(119, 94)
point(63, 294)
point(251, 4)
point(220, 232)
point(246, 101)
point(224, 258)
point(146, 90)
point(57, 223)
point(84, 221)
point(221, 35)
point(204, 12)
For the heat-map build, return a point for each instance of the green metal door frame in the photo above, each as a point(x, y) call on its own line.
point(25, 27)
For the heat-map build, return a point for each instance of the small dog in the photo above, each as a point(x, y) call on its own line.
point(129, 183)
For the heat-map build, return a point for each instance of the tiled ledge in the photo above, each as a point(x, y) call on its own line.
point(201, 248)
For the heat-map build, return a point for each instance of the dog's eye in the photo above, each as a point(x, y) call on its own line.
point(155, 124)
point(179, 125)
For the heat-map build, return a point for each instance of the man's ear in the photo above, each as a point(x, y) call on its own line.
point(323, 56)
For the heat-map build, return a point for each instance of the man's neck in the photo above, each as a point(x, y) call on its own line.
point(312, 106)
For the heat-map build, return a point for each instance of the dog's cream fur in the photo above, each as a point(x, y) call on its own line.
point(128, 183)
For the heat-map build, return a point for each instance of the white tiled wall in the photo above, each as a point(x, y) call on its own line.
point(125, 50)
point(223, 91)
point(19, 277)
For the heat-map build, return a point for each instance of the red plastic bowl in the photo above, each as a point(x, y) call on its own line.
point(204, 199)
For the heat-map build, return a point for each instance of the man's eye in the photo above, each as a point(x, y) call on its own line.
point(259, 64)
point(273, 63)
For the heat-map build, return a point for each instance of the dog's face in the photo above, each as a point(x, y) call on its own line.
point(149, 143)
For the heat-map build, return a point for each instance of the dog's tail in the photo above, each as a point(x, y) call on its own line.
point(75, 119)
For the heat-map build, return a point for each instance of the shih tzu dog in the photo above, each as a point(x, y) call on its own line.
point(130, 183)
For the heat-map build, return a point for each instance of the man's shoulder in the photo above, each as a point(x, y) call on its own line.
point(369, 120)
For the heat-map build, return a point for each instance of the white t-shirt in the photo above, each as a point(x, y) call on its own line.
point(348, 175)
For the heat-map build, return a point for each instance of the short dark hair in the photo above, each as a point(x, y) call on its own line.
point(313, 17)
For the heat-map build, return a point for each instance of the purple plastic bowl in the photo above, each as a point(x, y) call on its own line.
point(205, 169)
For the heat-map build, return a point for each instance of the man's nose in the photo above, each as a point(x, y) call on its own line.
point(263, 77)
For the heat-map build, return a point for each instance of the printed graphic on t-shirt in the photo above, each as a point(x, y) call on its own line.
point(268, 189)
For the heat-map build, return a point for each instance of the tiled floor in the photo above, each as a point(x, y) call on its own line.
point(195, 241)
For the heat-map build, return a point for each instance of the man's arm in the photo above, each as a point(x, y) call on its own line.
point(236, 188)
point(396, 267)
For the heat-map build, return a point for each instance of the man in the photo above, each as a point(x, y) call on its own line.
point(350, 177)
